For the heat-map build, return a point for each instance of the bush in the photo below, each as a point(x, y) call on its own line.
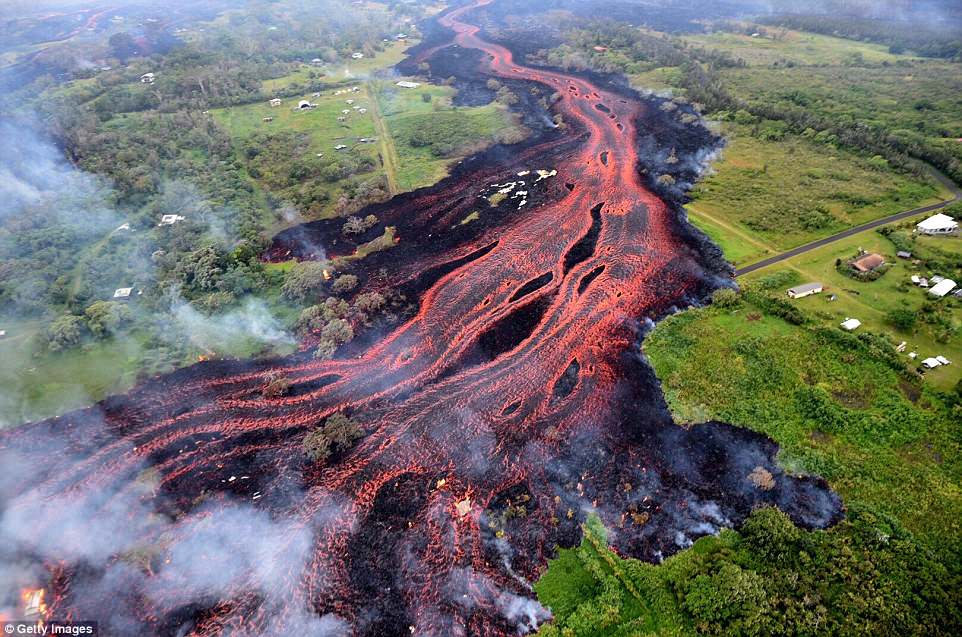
point(304, 281)
point(337, 433)
point(725, 298)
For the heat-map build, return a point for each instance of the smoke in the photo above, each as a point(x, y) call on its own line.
point(252, 321)
point(470, 590)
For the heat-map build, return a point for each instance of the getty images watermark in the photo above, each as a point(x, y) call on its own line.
point(44, 629)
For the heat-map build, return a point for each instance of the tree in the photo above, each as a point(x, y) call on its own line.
point(277, 387)
point(901, 318)
point(725, 298)
point(304, 281)
point(106, 317)
point(342, 431)
point(344, 283)
point(65, 332)
point(316, 445)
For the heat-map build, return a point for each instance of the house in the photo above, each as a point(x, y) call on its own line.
point(800, 291)
point(122, 293)
point(340, 147)
point(357, 56)
point(943, 360)
point(147, 78)
point(406, 84)
point(169, 220)
point(942, 288)
point(276, 102)
point(3, 333)
point(362, 110)
point(850, 324)
point(868, 262)
point(931, 363)
point(916, 279)
point(348, 102)
point(304, 105)
point(346, 111)
point(937, 225)
point(902, 254)
point(935, 278)
point(401, 36)
point(267, 119)
point(317, 61)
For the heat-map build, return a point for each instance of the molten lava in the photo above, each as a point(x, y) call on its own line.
point(510, 405)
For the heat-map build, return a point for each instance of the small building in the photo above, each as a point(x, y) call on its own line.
point(935, 278)
point(340, 147)
point(939, 224)
point(868, 262)
point(942, 288)
point(943, 360)
point(916, 279)
point(169, 220)
point(122, 293)
point(931, 363)
point(357, 56)
point(903, 254)
point(304, 105)
point(600, 49)
point(807, 289)
point(406, 84)
point(362, 110)
point(348, 102)
point(851, 324)
point(267, 119)
point(317, 61)
point(147, 78)
point(3, 333)
point(401, 36)
point(276, 102)
point(346, 111)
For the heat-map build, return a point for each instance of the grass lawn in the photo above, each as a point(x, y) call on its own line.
point(836, 408)
point(346, 70)
point(780, 46)
point(869, 301)
point(51, 384)
point(766, 196)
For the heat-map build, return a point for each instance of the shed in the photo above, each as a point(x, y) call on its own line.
point(903, 254)
point(931, 363)
point(406, 84)
point(267, 119)
point(868, 262)
point(147, 78)
point(943, 360)
point(942, 288)
point(122, 293)
point(850, 324)
point(937, 224)
point(3, 333)
point(357, 56)
point(169, 220)
point(304, 105)
point(276, 101)
point(800, 291)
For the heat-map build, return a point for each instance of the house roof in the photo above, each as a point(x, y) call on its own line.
point(938, 222)
point(850, 323)
point(868, 262)
point(942, 288)
point(807, 287)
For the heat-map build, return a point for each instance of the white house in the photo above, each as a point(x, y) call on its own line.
point(931, 363)
point(938, 224)
point(850, 324)
point(801, 291)
point(357, 56)
point(276, 102)
point(147, 78)
point(406, 84)
point(942, 288)
point(169, 220)
point(122, 293)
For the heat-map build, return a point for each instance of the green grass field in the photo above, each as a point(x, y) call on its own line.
point(869, 301)
point(836, 408)
point(783, 46)
point(765, 196)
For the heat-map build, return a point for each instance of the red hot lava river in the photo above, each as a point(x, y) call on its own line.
point(513, 403)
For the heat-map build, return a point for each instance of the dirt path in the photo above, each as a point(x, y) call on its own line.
point(389, 155)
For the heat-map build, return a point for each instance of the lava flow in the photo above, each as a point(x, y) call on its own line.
point(510, 406)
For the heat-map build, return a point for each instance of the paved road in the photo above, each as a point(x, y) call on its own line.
point(764, 263)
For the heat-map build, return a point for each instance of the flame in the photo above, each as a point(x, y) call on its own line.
point(327, 275)
point(33, 602)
